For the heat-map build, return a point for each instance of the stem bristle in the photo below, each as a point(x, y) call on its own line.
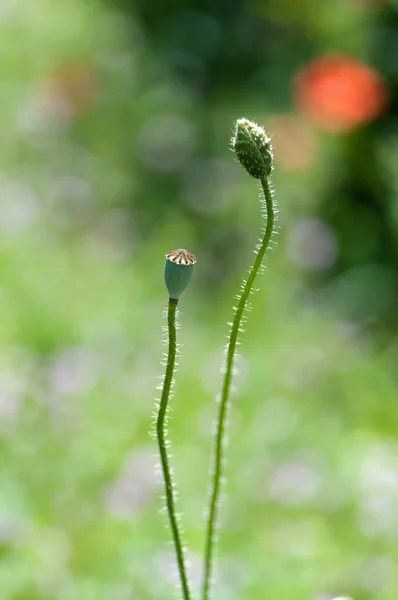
point(254, 166)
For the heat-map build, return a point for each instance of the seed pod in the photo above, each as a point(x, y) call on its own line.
point(253, 148)
point(178, 271)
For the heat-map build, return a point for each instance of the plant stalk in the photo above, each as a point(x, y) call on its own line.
point(220, 440)
point(161, 436)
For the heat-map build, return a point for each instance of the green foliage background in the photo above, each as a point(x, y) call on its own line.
point(96, 185)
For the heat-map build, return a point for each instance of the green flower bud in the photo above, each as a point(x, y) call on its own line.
point(178, 271)
point(253, 148)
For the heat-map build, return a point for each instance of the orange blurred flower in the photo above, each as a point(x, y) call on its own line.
point(294, 141)
point(368, 3)
point(338, 92)
point(69, 90)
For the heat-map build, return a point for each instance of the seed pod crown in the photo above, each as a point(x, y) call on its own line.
point(178, 271)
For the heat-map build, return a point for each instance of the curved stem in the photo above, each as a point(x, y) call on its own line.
point(161, 436)
point(212, 517)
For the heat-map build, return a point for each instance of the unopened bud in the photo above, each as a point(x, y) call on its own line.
point(253, 148)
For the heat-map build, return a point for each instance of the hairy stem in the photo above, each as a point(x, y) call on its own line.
point(218, 460)
point(161, 436)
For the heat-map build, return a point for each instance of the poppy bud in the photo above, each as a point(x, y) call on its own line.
point(253, 148)
point(178, 271)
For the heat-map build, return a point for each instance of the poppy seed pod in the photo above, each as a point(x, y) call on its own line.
point(178, 271)
point(253, 148)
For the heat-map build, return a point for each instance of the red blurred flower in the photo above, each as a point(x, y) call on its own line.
point(338, 92)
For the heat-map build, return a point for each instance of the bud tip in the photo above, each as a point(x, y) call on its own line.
point(253, 148)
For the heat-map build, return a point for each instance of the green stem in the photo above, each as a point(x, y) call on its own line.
point(220, 440)
point(161, 436)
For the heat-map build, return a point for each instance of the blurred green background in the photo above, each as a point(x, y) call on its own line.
point(115, 123)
